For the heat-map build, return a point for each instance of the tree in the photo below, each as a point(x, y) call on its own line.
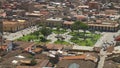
point(111, 5)
point(79, 25)
point(45, 31)
point(54, 60)
point(75, 25)
point(58, 27)
point(37, 34)
point(84, 27)
point(43, 39)
point(58, 30)
point(33, 62)
point(92, 31)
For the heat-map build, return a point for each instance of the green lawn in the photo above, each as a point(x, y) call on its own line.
point(27, 38)
point(59, 31)
point(38, 39)
point(82, 42)
point(91, 38)
point(78, 33)
point(61, 42)
point(78, 38)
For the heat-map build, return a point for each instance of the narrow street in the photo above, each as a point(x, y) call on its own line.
point(103, 55)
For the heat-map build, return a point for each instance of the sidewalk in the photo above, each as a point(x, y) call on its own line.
point(107, 37)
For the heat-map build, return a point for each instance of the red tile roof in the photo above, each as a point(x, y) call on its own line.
point(117, 38)
point(80, 16)
point(29, 47)
point(74, 57)
point(3, 47)
point(44, 63)
point(44, 12)
point(54, 46)
point(83, 57)
point(68, 22)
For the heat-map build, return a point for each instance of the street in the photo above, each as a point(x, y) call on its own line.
point(103, 55)
point(107, 37)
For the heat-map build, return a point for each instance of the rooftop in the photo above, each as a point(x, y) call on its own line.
point(82, 63)
point(54, 46)
point(54, 19)
point(87, 48)
point(33, 14)
point(82, 57)
point(68, 22)
point(104, 25)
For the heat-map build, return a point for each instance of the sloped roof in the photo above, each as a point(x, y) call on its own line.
point(117, 38)
point(74, 65)
point(54, 46)
point(82, 57)
point(82, 63)
point(68, 22)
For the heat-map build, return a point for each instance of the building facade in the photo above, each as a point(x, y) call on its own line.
point(104, 27)
point(13, 26)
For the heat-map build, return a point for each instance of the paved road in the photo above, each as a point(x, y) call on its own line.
point(103, 55)
point(107, 37)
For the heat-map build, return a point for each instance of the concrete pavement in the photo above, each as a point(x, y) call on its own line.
point(16, 35)
point(107, 37)
point(52, 37)
point(103, 55)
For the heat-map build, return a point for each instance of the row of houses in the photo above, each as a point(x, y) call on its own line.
point(16, 25)
point(99, 26)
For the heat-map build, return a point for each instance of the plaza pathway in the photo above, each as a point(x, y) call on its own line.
point(16, 35)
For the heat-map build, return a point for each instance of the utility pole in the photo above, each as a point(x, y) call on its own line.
point(1, 32)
